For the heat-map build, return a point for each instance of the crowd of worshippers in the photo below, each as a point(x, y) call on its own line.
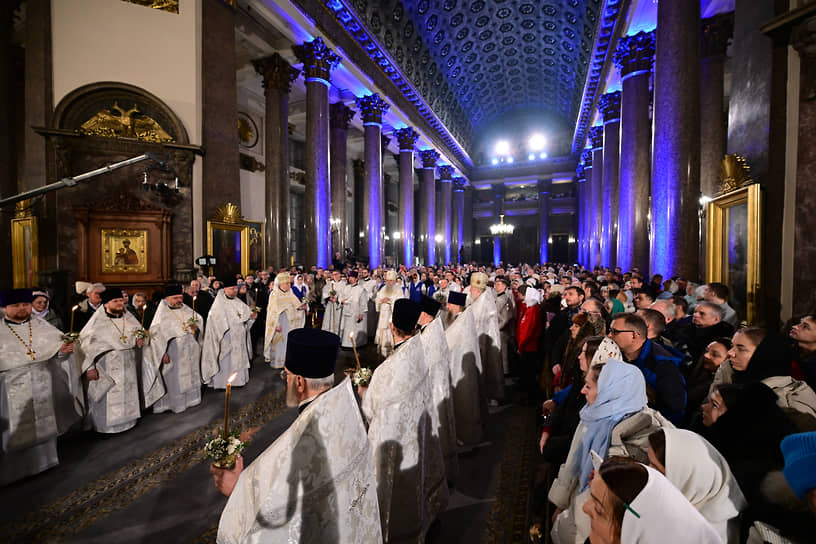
point(659, 411)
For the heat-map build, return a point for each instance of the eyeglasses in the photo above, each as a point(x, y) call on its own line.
point(613, 331)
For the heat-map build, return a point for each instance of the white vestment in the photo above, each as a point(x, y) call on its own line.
point(486, 318)
point(396, 407)
point(437, 359)
point(383, 338)
point(314, 484)
point(36, 397)
point(371, 286)
point(227, 344)
point(334, 310)
point(109, 345)
point(355, 302)
point(178, 386)
point(465, 374)
point(281, 311)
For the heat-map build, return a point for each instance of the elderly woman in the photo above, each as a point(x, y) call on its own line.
point(615, 421)
point(41, 307)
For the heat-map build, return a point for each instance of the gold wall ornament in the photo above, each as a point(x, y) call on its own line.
point(116, 122)
point(171, 6)
point(734, 174)
point(24, 247)
point(228, 213)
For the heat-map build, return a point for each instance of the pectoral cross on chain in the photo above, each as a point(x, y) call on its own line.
point(123, 338)
point(31, 353)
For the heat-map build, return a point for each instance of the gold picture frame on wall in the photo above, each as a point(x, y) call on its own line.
point(229, 244)
point(24, 244)
point(124, 251)
point(733, 247)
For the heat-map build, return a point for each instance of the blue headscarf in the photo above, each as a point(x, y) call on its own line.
point(621, 392)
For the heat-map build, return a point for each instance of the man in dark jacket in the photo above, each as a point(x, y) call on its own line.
point(707, 325)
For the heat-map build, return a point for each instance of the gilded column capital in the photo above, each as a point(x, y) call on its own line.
point(429, 158)
point(277, 73)
point(445, 172)
point(340, 115)
point(580, 173)
point(635, 53)
point(715, 34)
point(458, 184)
point(596, 136)
point(372, 107)
point(318, 60)
point(406, 137)
point(609, 106)
point(586, 158)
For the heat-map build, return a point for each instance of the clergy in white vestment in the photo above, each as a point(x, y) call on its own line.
point(371, 285)
point(175, 340)
point(437, 359)
point(109, 351)
point(282, 316)
point(465, 371)
point(331, 301)
point(36, 389)
point(354, 299)
point(227, 343)
point(386, 297)
point(395, 404)
point(485, 315)
point(316, 482)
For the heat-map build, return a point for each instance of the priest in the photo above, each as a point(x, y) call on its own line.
point(331, 301)
point(282, 316)
point(385, 300)
point(175, 341)
point(465, 371)
point(485, 315)
point(355, 307)
point(110, 351)
point(36, 401)
point(227, 342)
point(316, 482)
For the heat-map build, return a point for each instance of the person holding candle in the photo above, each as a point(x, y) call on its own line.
point(316, 482)
point(354, 299)
point(35, 371)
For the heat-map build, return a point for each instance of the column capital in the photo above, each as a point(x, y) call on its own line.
point(340, 115)
point(635, 53)
point(458, 184)
point(318, 60)
point(586, 158)
point(445, 172)
point(716, 32)
point(277, 73)
point(429, 158)
point(609, 106)
point(406, 137)
point(596, 137)
point(372, 107)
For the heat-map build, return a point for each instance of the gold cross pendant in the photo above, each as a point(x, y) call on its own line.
point(31, 353)
point(123, 338)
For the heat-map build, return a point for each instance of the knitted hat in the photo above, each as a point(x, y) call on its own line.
point(800, 462)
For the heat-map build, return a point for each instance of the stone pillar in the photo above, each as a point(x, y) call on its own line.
point(406, 137)
point(339, 117)
point(580, 199)
point(459, 217)
point(586, 207)
point(358, 232)
point(715, 36)
point(596, 200)
point(634, 58)
point(467, 230)
point(676, 150)
point(277, 82)
point(427, 204)
point(372, 108)
point(39, 99)
point(443, 212)
point(609, 106)
point(499, 190)
point(318, 61)
point(544, 187)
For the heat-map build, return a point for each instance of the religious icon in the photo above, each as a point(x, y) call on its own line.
point(124, 251)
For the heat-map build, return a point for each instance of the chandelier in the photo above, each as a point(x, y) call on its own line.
point(501, 228)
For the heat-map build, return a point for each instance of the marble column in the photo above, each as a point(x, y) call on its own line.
point(39, 99)
point(277, 82)
point(467, 229)
point(499, 191)
point(318, 62)
point(372, 108)
point(357, 232)
point(676, 151)
point(586, 207)
point(339, 117)
point(716, 34)
point(609, 107)
point(406, 137)
point(634, 58)
point(544, 187)
point(427, 204)
point(443, 212)
point(596, 199)
point(580, 199)
point(459, 217)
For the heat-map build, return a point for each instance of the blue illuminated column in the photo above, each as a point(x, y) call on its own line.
point(544, 187)
point(634, 58)
point(406, 137)
point(459, 217)
point(443, 211)
point(427, 203)
point(318, 61)
point(609, 107)
point(676, 151)
point(596, 190)
point(586, 206)
point(499, 191)
point(340, 115)
point(372, 108)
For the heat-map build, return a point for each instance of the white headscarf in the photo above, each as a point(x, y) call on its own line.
point(531, 297)
point(664, 516)
point(607, 349)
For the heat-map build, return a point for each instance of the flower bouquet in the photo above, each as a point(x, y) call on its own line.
point(70, 337)
point(141, 333)
point(256, 309)
point(361, 377)
point(440, 298)
point(193, 321)
point(332, 293)
point(224, 451)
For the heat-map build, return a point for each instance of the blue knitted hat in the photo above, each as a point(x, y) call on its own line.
point(800, 462)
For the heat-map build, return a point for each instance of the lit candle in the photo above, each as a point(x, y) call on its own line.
point(74, 309)
point(144, 311)
point(194, 298)
point(226, 404)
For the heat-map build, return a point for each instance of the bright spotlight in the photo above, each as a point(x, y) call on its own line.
point(397, 235)
point(542, 156)
point(438, 238)
point(502, 147)
point(537, 142)
point(531, 156)
point(510, 160)
point(494, 161)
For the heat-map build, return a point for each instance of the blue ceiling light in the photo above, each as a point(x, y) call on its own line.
point(531, 156)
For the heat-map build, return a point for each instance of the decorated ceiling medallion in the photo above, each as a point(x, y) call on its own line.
point(247, 131)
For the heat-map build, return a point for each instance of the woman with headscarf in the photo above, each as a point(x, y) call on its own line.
point(702, 474)
point(615, 421)
point(41, 307)
point(530, 327)
point(301, 291)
